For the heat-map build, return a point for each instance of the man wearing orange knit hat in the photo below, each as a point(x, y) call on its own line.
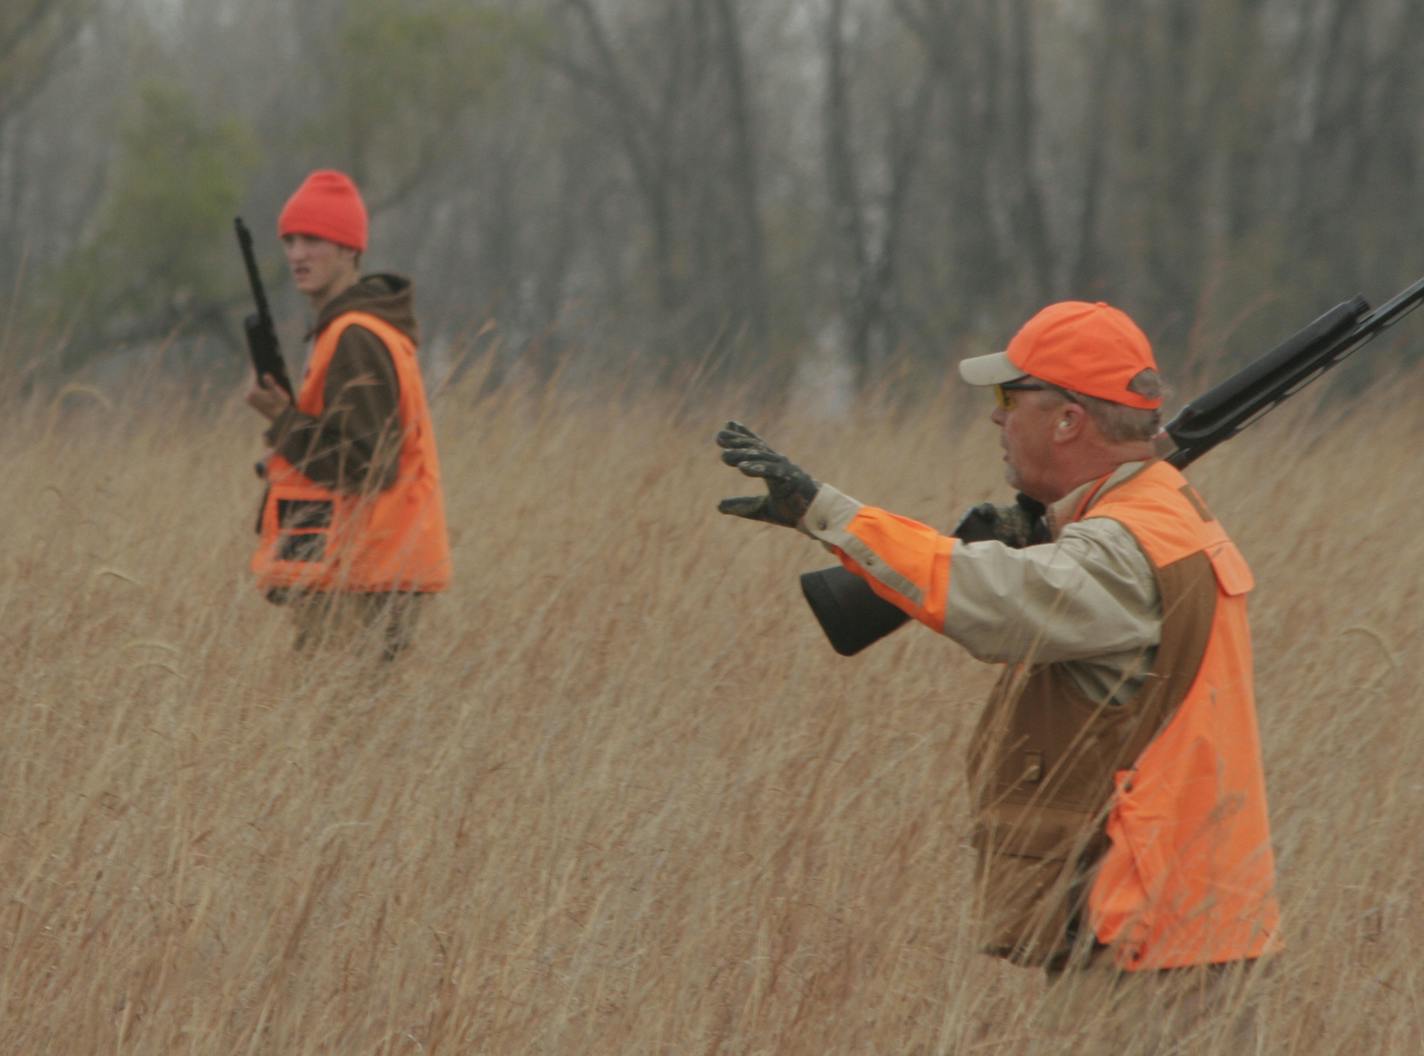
point(353, 523)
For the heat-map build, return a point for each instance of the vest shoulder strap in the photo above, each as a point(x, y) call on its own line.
point(1170, 521)
point(395, 339)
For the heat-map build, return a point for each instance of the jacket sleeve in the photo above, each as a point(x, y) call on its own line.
point(1089, 594)
point(355, 443)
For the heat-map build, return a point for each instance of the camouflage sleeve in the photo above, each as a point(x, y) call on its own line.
point(355, 443)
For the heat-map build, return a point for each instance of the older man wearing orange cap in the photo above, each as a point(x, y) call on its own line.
point(1115, 775)
point(353, 524)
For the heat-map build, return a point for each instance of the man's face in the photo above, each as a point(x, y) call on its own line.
point(317, 265)
point(1026, 429)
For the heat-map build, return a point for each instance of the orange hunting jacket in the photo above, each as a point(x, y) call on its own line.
point(1142, 819)
point(314, 538)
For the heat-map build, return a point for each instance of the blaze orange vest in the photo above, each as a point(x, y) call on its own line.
point(1182, 871)
point(315, 539)
point(1189, 875)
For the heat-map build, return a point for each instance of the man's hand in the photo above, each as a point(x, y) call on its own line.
point(790, 489)
point(268, 398)
point(1019, 525)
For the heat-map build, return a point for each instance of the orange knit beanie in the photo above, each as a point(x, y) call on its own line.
point(329, 206)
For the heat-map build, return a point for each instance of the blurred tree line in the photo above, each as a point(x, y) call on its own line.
point(706, 187)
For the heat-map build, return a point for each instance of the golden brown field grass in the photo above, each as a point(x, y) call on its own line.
point(623, 798)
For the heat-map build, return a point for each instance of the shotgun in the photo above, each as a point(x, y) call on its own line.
point(261, 331)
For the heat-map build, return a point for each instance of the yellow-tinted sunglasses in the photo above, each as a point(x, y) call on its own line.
point(1004, 392)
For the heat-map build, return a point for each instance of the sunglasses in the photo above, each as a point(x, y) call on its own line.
point(1003, 392)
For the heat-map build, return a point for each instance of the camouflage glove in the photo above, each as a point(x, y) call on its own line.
point(790, 489)
point(1019, 525)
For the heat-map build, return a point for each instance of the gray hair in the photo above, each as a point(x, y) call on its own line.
point(1118, 422)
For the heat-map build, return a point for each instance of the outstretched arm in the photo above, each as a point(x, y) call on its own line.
point(1091, 593)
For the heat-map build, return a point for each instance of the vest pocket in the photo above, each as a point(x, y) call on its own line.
point(301, 534)
point(1026, 880)
point(1024, 919)
point(296, 514)
point(1131, 872)
point(302, 529)
point(301, 546)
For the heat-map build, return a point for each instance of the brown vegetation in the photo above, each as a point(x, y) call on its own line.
point(622, 798)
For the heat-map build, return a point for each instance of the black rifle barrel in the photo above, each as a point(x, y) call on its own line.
point(254, 277)
point(1224, 410)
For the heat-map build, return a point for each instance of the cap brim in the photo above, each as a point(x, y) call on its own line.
point(993, 369)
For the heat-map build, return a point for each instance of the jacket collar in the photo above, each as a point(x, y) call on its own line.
point(1075, 505)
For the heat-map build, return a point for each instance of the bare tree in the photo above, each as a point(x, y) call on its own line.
point(33, 33)
point(868, 227)
point(675, 90)
point(704, 184)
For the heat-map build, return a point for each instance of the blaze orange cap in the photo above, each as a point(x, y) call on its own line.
point(329, 206)
point(1090, 348)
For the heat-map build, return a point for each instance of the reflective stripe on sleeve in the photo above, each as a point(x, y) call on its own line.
point(904, 561)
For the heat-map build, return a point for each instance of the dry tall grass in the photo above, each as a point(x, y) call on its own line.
point(623, 798)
